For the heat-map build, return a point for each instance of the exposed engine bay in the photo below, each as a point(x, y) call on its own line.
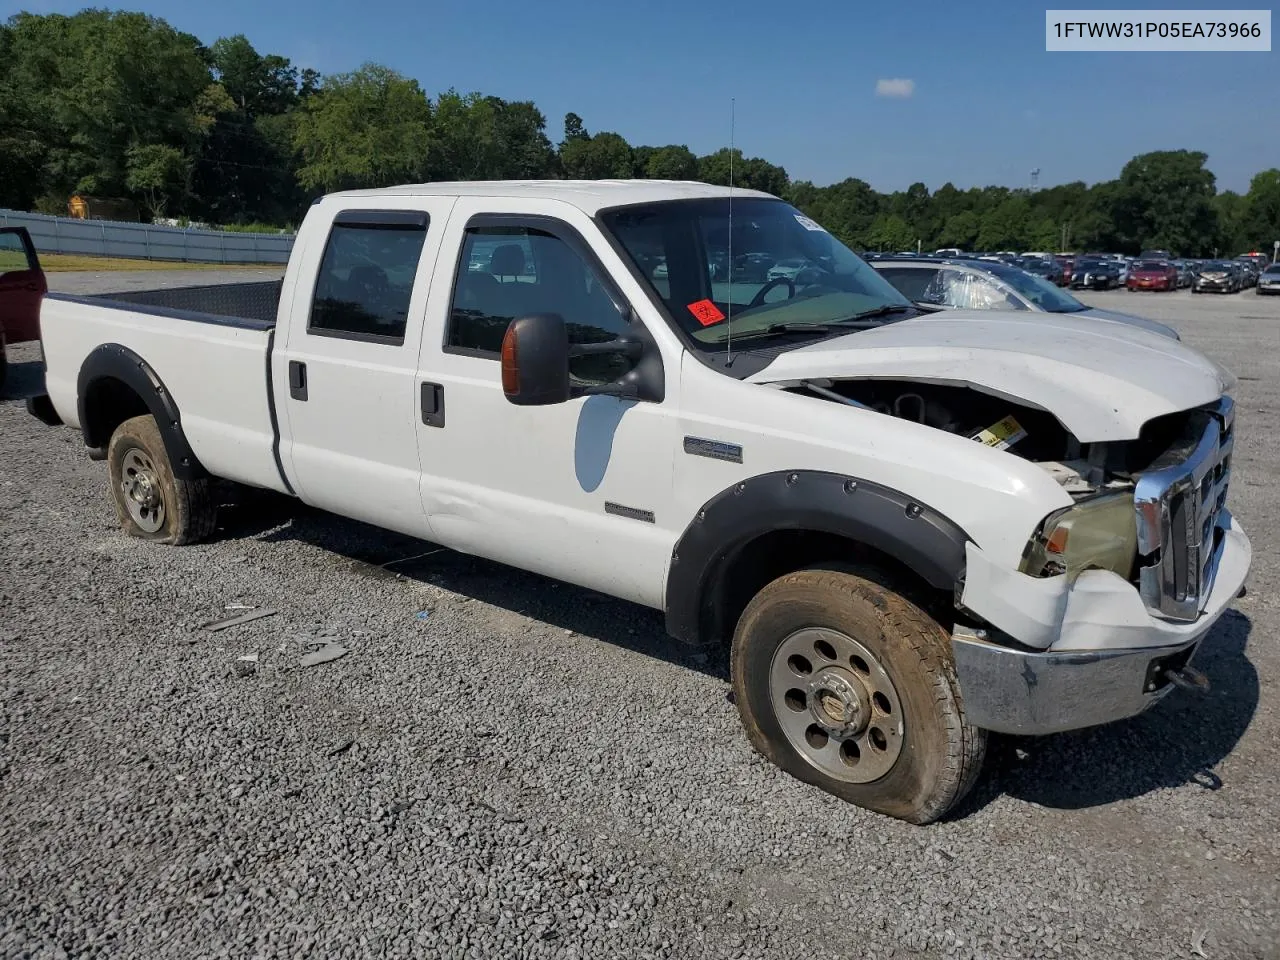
point(1025, 431)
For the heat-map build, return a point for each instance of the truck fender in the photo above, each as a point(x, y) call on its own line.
point(112, 361)
point(898, 525)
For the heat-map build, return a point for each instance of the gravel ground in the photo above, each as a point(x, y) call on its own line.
point(504, 766)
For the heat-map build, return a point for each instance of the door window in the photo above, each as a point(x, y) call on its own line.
point(506, 272)
point(13, 253)
point(366, 281)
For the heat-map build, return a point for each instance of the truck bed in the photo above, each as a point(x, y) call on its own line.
point(257, 302)
point(224, 395)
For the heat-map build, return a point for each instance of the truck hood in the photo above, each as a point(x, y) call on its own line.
point(1117, 317)
point(1102, 379)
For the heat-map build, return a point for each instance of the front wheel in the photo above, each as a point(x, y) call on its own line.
point(152, 503)
point(849, 686)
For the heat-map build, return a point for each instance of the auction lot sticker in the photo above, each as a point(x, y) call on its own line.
point(1158, 31)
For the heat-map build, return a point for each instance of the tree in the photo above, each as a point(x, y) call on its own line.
point(96, 84)
point(257, 84)
point(752, 174)
point(960, 230)
point(670, 163)
point(1260, 216)
point(603, 156)
point(367, 128)
point(890, 232)
point(1165, 200)
point(573, 129)
point(159, 173)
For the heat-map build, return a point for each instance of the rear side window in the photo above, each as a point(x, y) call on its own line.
point(912, 282)
point(366, 276)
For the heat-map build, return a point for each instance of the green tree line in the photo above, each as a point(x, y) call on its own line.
point(122, 105)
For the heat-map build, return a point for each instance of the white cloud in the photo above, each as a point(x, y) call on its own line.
point(895, 88)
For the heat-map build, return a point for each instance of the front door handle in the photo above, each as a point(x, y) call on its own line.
point(433, 404)
point(297, 380)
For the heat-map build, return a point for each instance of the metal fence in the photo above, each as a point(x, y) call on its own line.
point(146, 241)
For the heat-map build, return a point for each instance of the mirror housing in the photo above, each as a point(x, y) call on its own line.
point(535, 360)
point(535, 363)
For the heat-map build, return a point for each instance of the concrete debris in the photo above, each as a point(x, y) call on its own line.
point(236, 621)
point(330, 651)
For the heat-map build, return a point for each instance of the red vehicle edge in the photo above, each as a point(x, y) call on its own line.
point(22, 289)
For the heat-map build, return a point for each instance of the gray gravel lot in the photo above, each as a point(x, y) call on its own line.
point(503, 766)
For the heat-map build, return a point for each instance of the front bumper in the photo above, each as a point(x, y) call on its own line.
point(1100, 652)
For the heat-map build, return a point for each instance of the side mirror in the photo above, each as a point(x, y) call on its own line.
point(535, 360)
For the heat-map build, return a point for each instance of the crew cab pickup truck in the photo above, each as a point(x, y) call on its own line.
point(913, 525)
point(22, 286)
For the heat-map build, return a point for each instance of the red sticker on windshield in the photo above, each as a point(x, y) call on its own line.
point(706, 312)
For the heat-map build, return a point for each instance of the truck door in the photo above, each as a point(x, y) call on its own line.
point(22, 286)
point(344, 379)
point(580, 491)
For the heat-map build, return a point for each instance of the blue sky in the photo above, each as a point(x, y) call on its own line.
point(988, 105)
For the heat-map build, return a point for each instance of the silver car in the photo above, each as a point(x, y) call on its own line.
point(980, 285)
point(1269, 280)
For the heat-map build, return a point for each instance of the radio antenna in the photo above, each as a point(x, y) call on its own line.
point(728, 338)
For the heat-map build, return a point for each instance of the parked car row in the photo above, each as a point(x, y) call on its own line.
point(1154, 270)
point(966, 284)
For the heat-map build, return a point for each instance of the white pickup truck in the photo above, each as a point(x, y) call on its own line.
point(915, 525)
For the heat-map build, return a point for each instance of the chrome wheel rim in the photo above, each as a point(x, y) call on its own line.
point(836, 705)
point(140, 484)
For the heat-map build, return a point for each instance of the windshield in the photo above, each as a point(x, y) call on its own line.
point(1045, 295)
point(776, 268)
point(1274, 268)
point(1158, 265)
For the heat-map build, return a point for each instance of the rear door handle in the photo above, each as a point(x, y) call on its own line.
point(297, 380)
point(433, 404)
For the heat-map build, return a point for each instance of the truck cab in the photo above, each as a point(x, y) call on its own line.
point(912, 526)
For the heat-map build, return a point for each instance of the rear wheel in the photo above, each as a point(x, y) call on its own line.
point(849, 686)
point(150, 501)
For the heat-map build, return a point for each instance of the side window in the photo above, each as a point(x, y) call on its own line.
point(13, 254)
point(366, 280)
point(510, 271)
point(972, 291)
point(914, 283)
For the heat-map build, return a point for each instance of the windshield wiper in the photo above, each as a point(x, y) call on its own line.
point(887, 309)
point(799, 328)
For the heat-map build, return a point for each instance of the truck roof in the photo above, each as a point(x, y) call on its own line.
point(588, 196)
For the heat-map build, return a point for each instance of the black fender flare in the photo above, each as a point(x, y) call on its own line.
point(112, 361)
point(901, 526)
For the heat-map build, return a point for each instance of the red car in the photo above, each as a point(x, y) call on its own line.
point(22, 288)
point(1153, 275)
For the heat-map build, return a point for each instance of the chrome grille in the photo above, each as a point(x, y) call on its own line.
point(1180, 502)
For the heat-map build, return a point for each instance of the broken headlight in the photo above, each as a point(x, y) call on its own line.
point(1100, 533)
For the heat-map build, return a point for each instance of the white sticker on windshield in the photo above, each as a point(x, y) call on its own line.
point(808, 224)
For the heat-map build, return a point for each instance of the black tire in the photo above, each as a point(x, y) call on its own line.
point(940, 755)
point(176, 511)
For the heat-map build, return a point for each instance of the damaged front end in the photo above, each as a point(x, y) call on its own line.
point(1115, 592)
